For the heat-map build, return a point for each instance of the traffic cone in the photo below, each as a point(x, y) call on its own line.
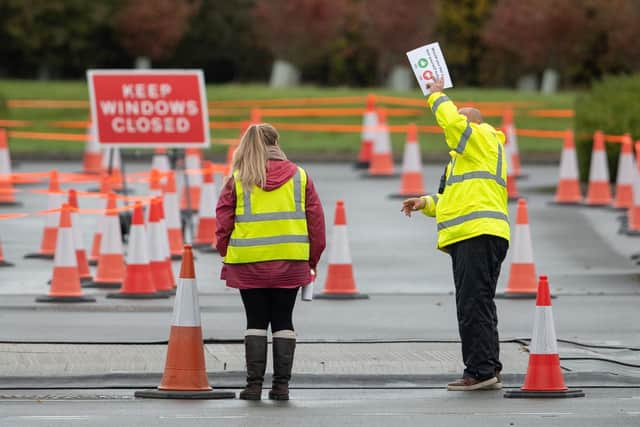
point(159, 261)
point(166, 247)
point(81, 254)
point(193, 177)
point(624, 180)
point(111, 268)
point(7, 192)
point(544, 375)
point(633, 213)
point(512, 186)
point(185, 374)
point(116, 167)
point(4, 262)
point(522, 273)
point(172, 216)
point(138, 281)
point(206, 233)
point(381, 164)
point(55, 200)
point(105, 189)
point(92, 158)
point(65, 284)
point(154, 180)
point(411, 184)
point(160, 162)
point(568, 190)
point(599, 190)
point(368, 135)
point(340, 283)
point(5, 157)
point(512, 145)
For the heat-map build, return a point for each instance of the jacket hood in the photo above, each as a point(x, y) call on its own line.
point(279, 172)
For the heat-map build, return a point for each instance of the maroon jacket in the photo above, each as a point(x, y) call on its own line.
point(271, 274)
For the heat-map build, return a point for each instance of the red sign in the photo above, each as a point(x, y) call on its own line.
point(138, 108)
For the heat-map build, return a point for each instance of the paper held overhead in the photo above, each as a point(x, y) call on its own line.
point(428, 64)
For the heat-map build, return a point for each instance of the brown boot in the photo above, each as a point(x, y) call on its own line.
point(255, 351)
point(284, 345)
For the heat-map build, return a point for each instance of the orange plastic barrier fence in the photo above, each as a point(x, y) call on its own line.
point(47, 103)
point(552, 113)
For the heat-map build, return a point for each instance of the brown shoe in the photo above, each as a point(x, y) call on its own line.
point(469, 383)
point(497, 385)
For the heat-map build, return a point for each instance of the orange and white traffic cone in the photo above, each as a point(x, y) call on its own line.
point(624, 180)
point(599, 190)
point(172, 216)
point(55, 200)
point(160, 162)
point(155, 183)
point(568, 190)
point(116, 167)
point(340, 283)
point(633, 213)
point(185, 374)
point(81, 254)
point(193, 177)
point(412, 183)
point(368, 135)
point(381, 164)
point(544, 375)
point(512, 142)
point(105, 189)
point(512, 186)
point(7, 193)
point(65, 284)
point(92, 158)
point(138, 281)
point(522, 273)
point(206, 233)
point(159, 260)
point(3, 261)
point(164, 239)
point(111, 267)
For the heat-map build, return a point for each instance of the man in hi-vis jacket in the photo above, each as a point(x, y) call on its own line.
point(473, 227)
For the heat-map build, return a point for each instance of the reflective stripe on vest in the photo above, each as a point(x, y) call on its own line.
point(462, 143)
point(470, 217)
point(454, 179)
point(266, 236)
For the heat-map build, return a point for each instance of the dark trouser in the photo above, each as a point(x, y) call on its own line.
point(476, 267)
point(264, 306)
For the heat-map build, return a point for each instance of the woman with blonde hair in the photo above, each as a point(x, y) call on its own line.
point(271, 233)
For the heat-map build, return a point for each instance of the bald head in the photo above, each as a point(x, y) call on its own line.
point(472, 114)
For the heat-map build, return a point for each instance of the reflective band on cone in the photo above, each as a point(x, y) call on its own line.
point(624, 180)
point(105, 189)
point(340, 283)
point(599, 191)
point(205, 237)
point(111, 267)
point(185, 374)
point(512, 186)
point(522, 272)
point(544, 375)
point(160, 162)
point(65, 283)
point(513, 152)
point(381, 164)
point(172, 216)
point(368, 135)
point(55, 200)
point(633, 213)
point(7, 193)
point(412, 183)
point(568, 190)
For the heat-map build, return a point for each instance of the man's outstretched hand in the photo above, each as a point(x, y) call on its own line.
point(412, 204)
point(436, 86)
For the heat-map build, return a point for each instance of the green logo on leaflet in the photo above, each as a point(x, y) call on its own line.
point(422, 62)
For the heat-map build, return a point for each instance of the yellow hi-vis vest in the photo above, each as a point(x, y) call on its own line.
point(270, 225)
point(474, 201)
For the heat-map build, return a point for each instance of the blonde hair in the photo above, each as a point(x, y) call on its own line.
point(250, 158)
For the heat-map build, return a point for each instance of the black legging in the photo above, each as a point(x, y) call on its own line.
point(269, 305)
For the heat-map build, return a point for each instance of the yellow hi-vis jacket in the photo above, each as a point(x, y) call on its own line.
point(474, 201)
point(270, 225)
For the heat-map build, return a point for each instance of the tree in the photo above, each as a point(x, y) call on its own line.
point(393, 28)
point(153, 28)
